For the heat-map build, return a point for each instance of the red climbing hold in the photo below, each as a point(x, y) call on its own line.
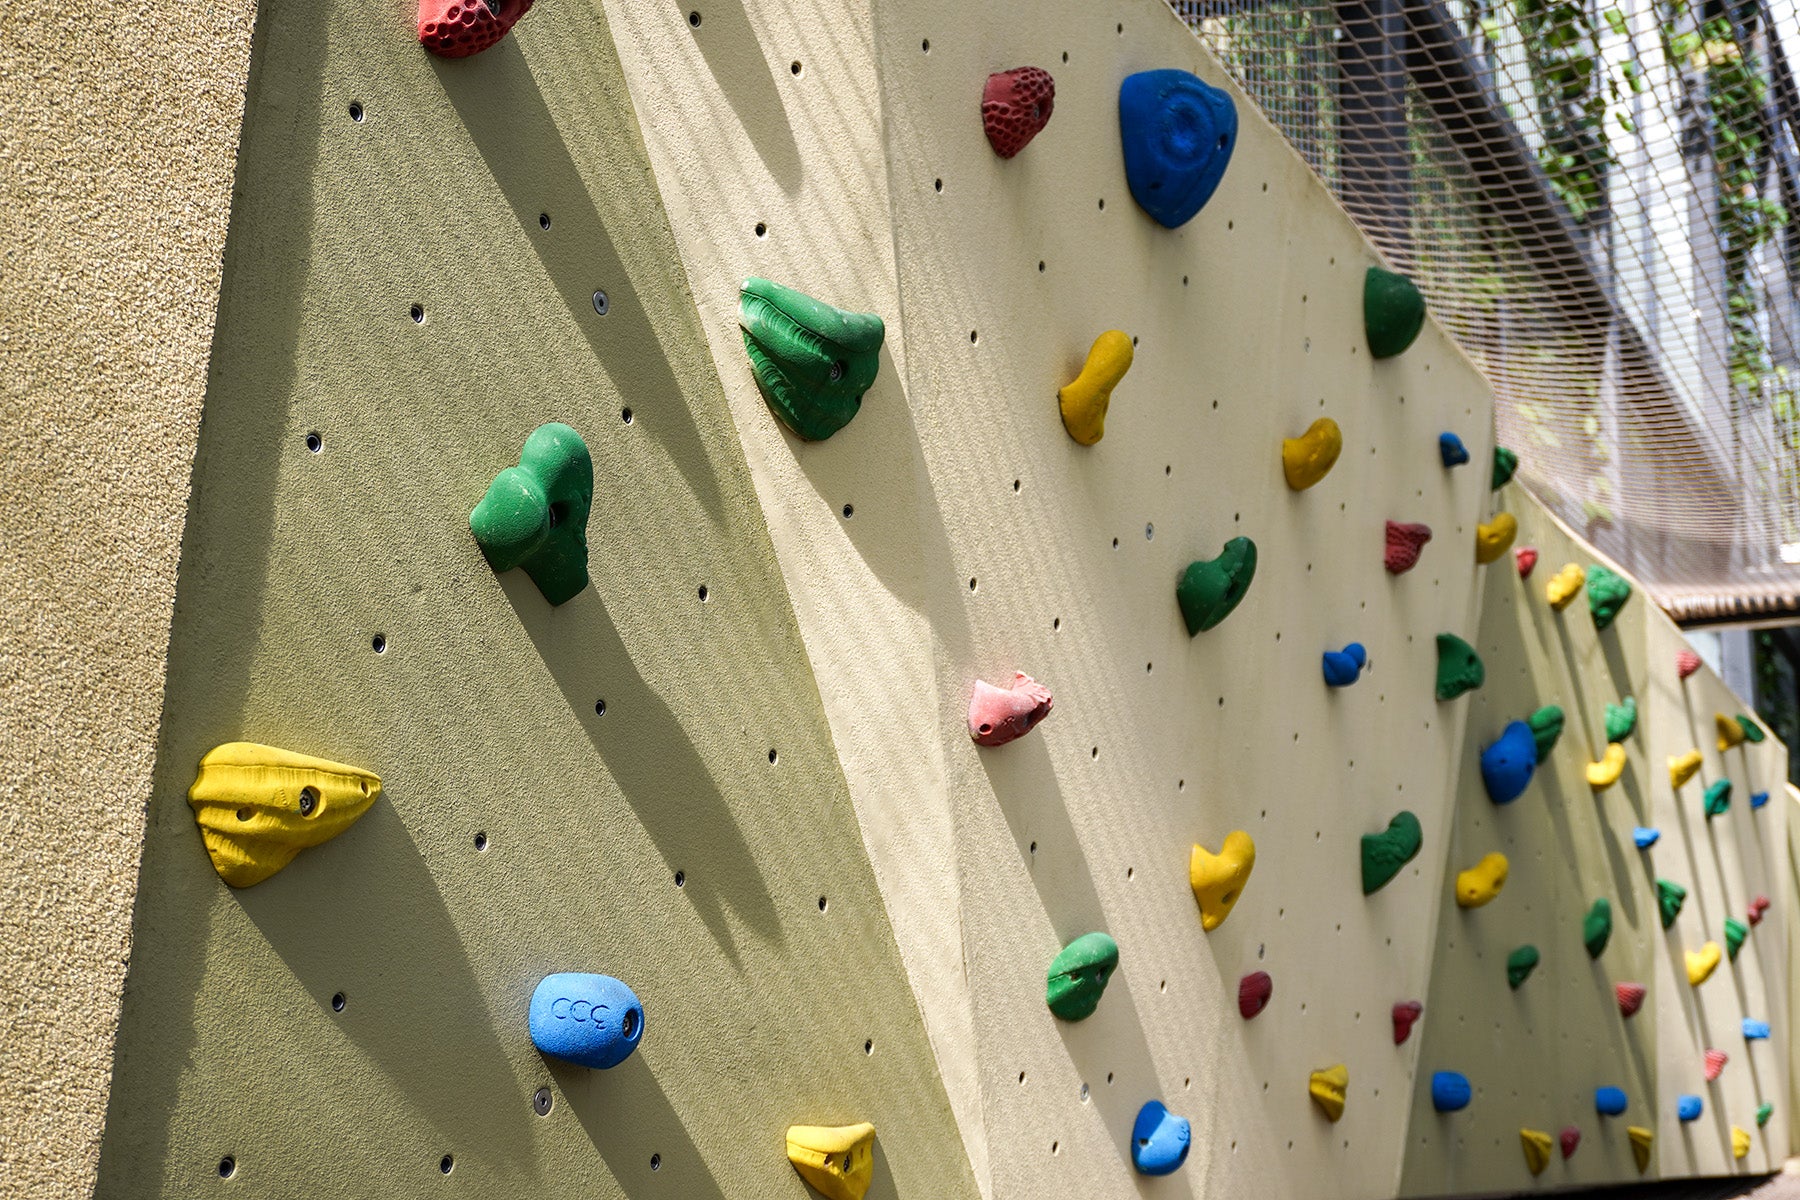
point(1686, 663)
point(1715, 1062)
point(1254, 990)
point(1405, 1013)
point(1403, 545)
point(1526, 557)
point(998, 715)
point(1015, 107)
point(1631, 997)
point(1758, 906)
point(459, 28)
point(1570, 1138)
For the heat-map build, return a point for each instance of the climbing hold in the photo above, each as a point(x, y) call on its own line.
point(1758, 906)
point(1254, 991)
point(1015, 107)
point(1682, 768)
point(1177, 133)
point(1546, 726)
point(1537, 1145)
point(1764, 1111)
point(260, 806)
point(1729, 731)
point(1669, 899)
point(1083, 401)
point(1755, 1031)
point(1610, 1101)
point(812, 362)
point(1644, 836)
point(1481, 882)
point(1735, 934)
point(1740, 1142)
point(535, 515)
point(1459, 668)
point(457, 28)
point(1703, 962)
point(1607, 593)
point(1630, 997)
point(1596, 927)
point(1078, 975)
point(1344, 667)
point(1752, 731)
point(1508, 762)
point(839, 1161)
point(1210, 588)
point(1606, 772)
point(1641, 1141)
point(1715, 1061)
point(1520, 964)
point(1159, 1140)
point(1688, 1107)
point(1218, 879)
point(1403, 545)
point(1621, 719)
point(1505, 463)
point(1450, 1091)
point(589, 1020)
point(1718, 797)
point(1758, 800)
point(1451, 451)
point(1493, 537)
point(1406, 1012)
point(998, 715)
point(1328, 1088)
point(1526, 557)
point(1686, 662)
point(1393, 312)
point(1564, 586)
point(1570, 1137)
point(1306, 459)
point(1384, 853)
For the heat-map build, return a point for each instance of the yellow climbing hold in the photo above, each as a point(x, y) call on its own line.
point(1703, 962)
point(1606, 772)
point(1218, 879)
point(1537, 1145)
point(1308, 458)
point(1328, 1088)
point(259, 806)
point(1730, 732)
point(1481, 882)
point(1740, 1142)
point(1492, 538)
point(1084, 401)
point(1682, 769)
point(838, 1160)
point(1564, 586)
point(1641, 1141)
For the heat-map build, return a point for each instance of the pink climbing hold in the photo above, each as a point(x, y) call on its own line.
point(459, 28)
point(1758, 906)
point(1631, 997)
point(1405, 1013)
point(1254, 990)
point(1715, 1062)
point(1015, 107)
point(1686, 662)
point(1403, 545)
point(1526, 557)
point(997, 716)
point(1570, 1138)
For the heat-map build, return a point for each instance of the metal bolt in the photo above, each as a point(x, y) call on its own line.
point(541, 1101)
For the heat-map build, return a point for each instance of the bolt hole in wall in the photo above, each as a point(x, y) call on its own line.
point(625, 415)
point(338, 1002)
point(823, 904)
point(599, 708)
point(600, 303)
point(544, 221)
point(481, 843)
point(762, 230)
point(315, 442)
point(656, 1162)
point(418, 314)
point(541, 1101)
point(703, 593)
point(681, 879)
point(227, 1167)
point(356, 111)
point(796, 69)
point(447, 1163)
point(694, 19)
point(849, 511)
point(379, 643)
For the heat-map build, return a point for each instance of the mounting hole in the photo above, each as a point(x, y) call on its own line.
point(937, 185)
point(543, 220)
point(625, 415)
point(762, 230)
point(849, 511)
point(822, 904)
point(971, 583)
point(447, 1163)
point(481, 842)
point(656, 1162)
point(694, 19)
point(1149, 531)
point(378, 643)
point(541, 1102)
point(974, 336)
point(599, 708)
point(418, 314)
point(356, 111)
point(315, 442)
point(1054, 1147)
point(309, 801)
point(1055, 623)
point(1016, 485)
point(796, 68)
point(772, 756)
point(1034, 849)
point(1103, 204)
point(703, 593)
point(925, 46)
point(681, 879)
point(227, 1167)
point(869, 1046)
point(1040, 266)
point(337, 1002)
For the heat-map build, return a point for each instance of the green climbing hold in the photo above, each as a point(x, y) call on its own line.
point(535, 515)
point(1607, 593)
point(1764, 1111)
point(1752, 731)
point(1718, 797)
point(1621, 719)
point(1459, 668)
point(1669, 899)
point(1546, 726)
point(1735, 933)
point(1078, 975)
point(1520, 964)
point(1209, 589)
point(1596, 927)
point(1393, 312)
point(812, 362)
point(1383, 854)
point(1505, 463)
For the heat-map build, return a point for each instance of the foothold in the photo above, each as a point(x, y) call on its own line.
point(1526, 557)
point(1459, 668)
point(812, 362)
point(260, 806)
point(1688, 1107)
point(1755, 1031)
point(1596, 927)
point(1718, 798)
point(1384, 853)
point(1564, 586)
point(1508, 762)
point(1546, 726)
point(1606, 772)
point(535, 515)
point(1740, 1142)
point(1621, 719)
point(1682, 767)
point(1328, 1088)
point(1607, 593)
point(1218, 879)
point(1254, 991)
point(1344, 667)
point(1403, 545)
point(1758, 906)
point(1630, 997)
point(1729, 731)
point(1703, 962)
point(1764, 1111)
point(1493, 537)
point(1306, 459)
point(1406, 1012)
point(1714, 1061)
point(1669, 899)
point(1078, 975)
point(1159, 1140)
point(839, 1161)
point(1393, 312)
point(999, 715)
point(1570, 1138)
point(1505, 463)
point(458, 28)
point(1450, 1091)
point(1752, 731)
point(1015, 107)
point(1520, 964)
point(1641, 1141)
point(1084, 400)
point(1177, 133)
point(1451, 451)
point(1758, 800)
point(1686, 663)
point(1644, 836)
point(1537, 1145)
point(1210, 588)
point(589, 1020)
point(1481, 882)
point(1736, 932)
point(1610, 1101)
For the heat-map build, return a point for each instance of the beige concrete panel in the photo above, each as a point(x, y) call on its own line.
point(117, 151)
point(1789, 898)
point(696, 839)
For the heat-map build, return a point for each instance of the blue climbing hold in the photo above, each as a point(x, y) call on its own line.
point(1344, 667)
point(1178, 133)
point(1159, 1140)
point(1507, 764)
point(1688, 1107)
point(1452, 450)
point(1755, 1031)
point(1450, 1091)
point(1609, 1101)
point(1758, 799)
point(591, 1020)
point(1645, 837)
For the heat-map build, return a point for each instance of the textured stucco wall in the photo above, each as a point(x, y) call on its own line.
point(117, 151)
